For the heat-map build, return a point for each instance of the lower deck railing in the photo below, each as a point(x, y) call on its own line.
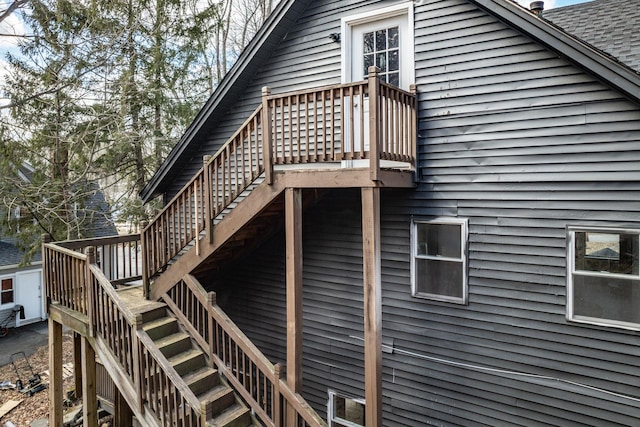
point(76, 281)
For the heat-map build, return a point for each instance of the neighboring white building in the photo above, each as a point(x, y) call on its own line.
point(20, 285)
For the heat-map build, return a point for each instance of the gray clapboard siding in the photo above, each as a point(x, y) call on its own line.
point(522, 143)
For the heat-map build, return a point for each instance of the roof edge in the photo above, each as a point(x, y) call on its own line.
point(219, 95)
point(576, 50)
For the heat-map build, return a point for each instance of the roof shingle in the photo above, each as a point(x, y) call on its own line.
point(612, 26)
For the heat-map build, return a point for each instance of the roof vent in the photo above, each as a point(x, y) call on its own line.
point(537, 7)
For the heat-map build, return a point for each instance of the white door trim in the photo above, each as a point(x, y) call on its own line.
point(349, 22)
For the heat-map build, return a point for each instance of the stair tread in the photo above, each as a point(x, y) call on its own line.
point(194, 376)
point(215, 393)
point(170, 339)
point(234, 411)
point(158, 322)
point(185, 355)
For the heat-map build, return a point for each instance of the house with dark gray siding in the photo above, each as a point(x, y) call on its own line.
point(443, 226)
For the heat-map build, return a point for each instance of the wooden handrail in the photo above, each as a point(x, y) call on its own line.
point(231, 350)
point(153, 356)
point(120, 257)
point(108, 289)
point(98, 241)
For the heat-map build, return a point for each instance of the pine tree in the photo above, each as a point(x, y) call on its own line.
point(100, 94)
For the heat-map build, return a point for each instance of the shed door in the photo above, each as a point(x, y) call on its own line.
point(29, 295)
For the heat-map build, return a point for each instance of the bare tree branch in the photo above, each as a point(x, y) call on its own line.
point(16, 4)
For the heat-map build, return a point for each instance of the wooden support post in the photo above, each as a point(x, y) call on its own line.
point(293, 227)
point(137, 364)
point(413, 135)
point(374, 123)
point(55, 369)
point(207, 205)
point(213, 343)
point(77, 365)
point(122, 413)
point(372, 306)
point(267, 150)
point(89, 395)
point(90, 299)
point(277, 399)
point(46, 280)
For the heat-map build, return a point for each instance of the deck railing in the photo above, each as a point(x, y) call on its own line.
point(257, 380)
point(119, 257)
point(362, 120)
point(75, 280)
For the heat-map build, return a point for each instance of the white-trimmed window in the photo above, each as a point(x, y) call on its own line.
point(345, 411)
point(603, 284)
point(7, 290)
point(439, 259)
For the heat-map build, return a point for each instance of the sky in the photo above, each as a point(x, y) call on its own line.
point(550, 4)
point(13, 25)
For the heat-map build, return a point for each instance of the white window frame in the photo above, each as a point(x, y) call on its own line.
point(464, 238)
point(407, 48)
point(571, 245)
point(332, 418)
point(13, 281)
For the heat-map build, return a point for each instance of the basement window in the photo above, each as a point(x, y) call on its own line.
point(603, 284)
point(439, 259)
point(6, 291)
point(345, 411)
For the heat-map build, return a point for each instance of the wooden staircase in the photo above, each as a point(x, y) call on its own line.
point(220, 404)
point(178, 359)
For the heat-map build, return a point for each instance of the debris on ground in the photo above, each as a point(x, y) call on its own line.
point(36, 406)
point(8, 407)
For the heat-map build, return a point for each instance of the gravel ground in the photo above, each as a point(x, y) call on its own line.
point(35, 407)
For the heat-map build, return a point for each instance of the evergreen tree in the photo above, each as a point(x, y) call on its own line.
point(100, 93)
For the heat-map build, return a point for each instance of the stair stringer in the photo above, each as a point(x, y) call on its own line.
point(233, 222)
point(195, 309)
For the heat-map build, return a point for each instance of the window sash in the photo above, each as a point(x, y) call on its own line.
point(581, 311)
point(416, 258)
point(7, 291)
point(333, 418)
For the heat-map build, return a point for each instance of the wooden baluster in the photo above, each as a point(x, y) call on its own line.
point(267, 136)
point(374, 124)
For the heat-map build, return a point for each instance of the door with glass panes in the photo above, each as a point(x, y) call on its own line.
point(385, 43)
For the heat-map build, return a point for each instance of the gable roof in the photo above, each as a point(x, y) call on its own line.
point(605, 67)
point(611, 26)
point(96, 212)
point(11, 254)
